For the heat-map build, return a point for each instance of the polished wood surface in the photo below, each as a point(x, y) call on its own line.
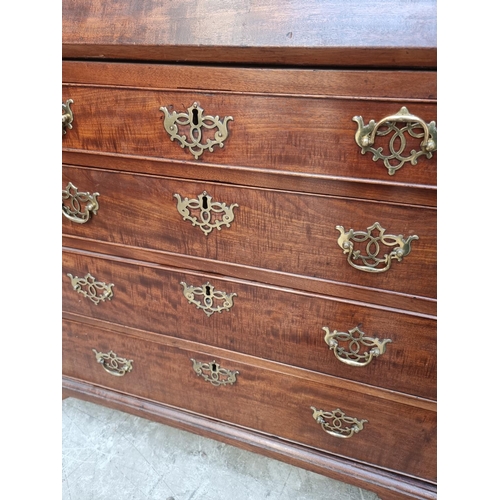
point(387, 485)
point(414, 85)
point(299, 134)
point(292, 79)
point(276, 230)
point(263, 400)
point(265, 321)
point(332, 32)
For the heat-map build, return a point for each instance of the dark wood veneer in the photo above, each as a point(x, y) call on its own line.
point(266, 322)
point(286, 133)
point(146, 211)
point(263, 400)
point(292, 79)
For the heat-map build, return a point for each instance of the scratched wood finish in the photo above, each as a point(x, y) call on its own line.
point(397, 437)
point(277, 133)
point(264, 321)
point(332, 32)
point(282, 231)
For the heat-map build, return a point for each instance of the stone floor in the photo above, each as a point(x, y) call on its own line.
point(110, 454)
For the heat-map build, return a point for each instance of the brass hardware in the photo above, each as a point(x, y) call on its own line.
point(213, 373)
point(371, 261)
point(209, 295)
point(113, 364)
point(93, 288)
point(356, 339)
point(67, 117)
point(365, 138)
point(208, 210)
point(336, 425)
point(195, 120)
point(74, 210)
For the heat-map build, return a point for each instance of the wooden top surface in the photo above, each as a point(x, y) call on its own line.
point(339, 33)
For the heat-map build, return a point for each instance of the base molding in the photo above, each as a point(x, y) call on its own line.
point(387, 485)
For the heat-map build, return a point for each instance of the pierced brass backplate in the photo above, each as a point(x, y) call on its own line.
point(213, 373)
point(398, 151)
point(372, 238)
point(208, 295)
point(193, 123)
point(93, 288)
point(79, 205)
point(67, 117)
point(113, 364)
point(334, 423)
point(360, 350)
point(207, 210)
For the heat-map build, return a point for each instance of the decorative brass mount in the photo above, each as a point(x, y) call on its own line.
point(366, 134)
point(336, 427)
point(93, 288)
point(371, 261)
point(67, 117)
point(208, 295)
point(213, 373)
point(208, 211)
point(196, 121)
point(356, 340)
point(74, 210)
point(113, 364)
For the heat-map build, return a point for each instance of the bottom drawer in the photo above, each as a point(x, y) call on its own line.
point(259, 395)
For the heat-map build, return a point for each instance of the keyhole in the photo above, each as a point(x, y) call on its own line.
point(204, 203)
point(195, 116)
point(207, 290)
point(214, 367)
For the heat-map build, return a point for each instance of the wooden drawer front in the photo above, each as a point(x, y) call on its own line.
point(263, 321)
point(310, 135)
point(396, 436)
point(277, 230)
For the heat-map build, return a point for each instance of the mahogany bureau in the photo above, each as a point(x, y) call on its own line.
point(249, 227)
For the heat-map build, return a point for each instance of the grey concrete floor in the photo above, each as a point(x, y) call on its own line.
point(110, 454)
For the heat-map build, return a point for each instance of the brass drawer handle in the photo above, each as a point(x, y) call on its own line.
point(80, 205)
point(93, 288)
point(373, 237)
point(193, 123)
point(67, 117)
point(213, 373)
point(113, 364)
point(208, 296)
point(334, 423)
point(366, 134)
point(356, 340)
point(207, 211)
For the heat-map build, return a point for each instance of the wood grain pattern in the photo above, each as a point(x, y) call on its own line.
point(282, 231)
point(331, 32)
point(265, 401)
point(358, 84)
point(387, 485)
point(292, 79)
point(276, 133)
point(265, 322)
point(401, 193)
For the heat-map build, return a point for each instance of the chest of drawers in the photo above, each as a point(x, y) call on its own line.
point(249, 227)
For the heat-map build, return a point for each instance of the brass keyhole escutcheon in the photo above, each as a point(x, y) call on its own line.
point(212, 372)
point(196, 131)
point(205, 213)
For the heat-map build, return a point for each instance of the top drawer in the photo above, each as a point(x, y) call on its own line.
point(284, 121)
